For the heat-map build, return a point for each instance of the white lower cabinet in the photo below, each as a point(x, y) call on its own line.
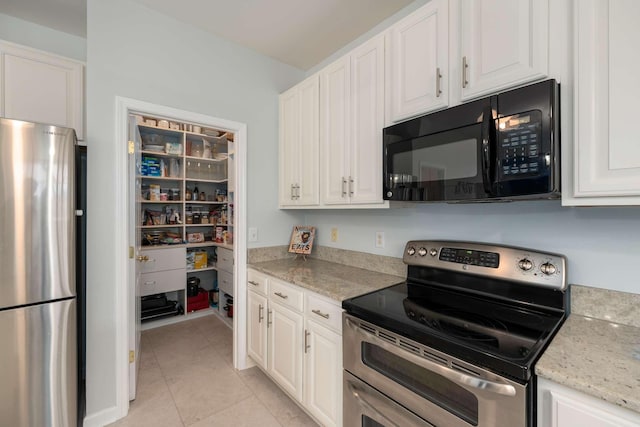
point(295, 336)
point(285, 348)
point(257, 328)
point(559, 406)
point(323, 374)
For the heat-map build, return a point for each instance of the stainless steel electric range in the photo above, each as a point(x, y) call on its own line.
point(456, 343)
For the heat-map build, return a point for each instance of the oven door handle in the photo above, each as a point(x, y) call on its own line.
point(488, 134)
point(456, 376)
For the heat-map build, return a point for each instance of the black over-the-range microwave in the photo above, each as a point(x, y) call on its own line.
point(503, 147)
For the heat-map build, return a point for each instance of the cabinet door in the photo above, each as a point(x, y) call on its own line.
point(504, 43)
point(43, 88)
point(335, 88)
point(417, 58)
point(367, 121)
point(606, 151)
point(323, 374)
point(299, 144)
point(285, 348)
point(559, 406)
point(289, 128)
point(257, 328)
point(308, 191)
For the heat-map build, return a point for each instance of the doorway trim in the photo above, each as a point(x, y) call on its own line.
point(124, 107)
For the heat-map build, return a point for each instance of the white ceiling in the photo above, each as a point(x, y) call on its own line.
point(300, 33)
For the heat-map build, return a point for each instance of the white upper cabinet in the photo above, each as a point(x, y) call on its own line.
point(299, 144)
point(40, 87)
point(503, 43)
point(606, 149)
point(417, 63)
point(335, 83)
point(351, 122)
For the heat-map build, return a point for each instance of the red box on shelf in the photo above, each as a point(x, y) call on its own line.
point(199, 302)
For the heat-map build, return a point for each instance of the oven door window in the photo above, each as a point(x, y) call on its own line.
point(427, 384)
point(368, 422)
point(442, 166)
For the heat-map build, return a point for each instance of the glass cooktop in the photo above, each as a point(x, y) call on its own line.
point(500, 335)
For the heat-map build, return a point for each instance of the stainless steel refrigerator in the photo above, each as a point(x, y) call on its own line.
point(38, 309)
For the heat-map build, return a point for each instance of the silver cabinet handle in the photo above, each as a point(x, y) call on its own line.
point(321, 314)
point(269, 317)
point(297, 191)
point(306, 341)
point(344, 187)
point(438, 78)
point(282, 295)
point(260, 316)
point(350, 187)
point(151, 283)
point(465, 66)
point(293, 196)
point(254, 283)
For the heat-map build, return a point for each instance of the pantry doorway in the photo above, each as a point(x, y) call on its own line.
point(180, 148)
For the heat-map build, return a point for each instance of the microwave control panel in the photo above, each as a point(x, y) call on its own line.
point(519, 145)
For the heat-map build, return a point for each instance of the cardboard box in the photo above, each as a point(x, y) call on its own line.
point(200, 260)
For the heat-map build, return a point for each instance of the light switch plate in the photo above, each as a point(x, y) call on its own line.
point(253, 234)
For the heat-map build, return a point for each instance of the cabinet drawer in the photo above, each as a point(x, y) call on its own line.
point(225, 282)
point(257, 282)
point(324, 312)
point(163, 281)
point(163, 259)
point(225, 259)
point(285, 294)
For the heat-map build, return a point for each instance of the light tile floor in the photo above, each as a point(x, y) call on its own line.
point(187, 379)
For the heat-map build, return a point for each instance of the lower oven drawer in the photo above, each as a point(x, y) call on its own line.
point(364, 406)
point(438, 388)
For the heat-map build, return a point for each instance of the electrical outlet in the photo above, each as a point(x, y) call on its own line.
point(379, 239)
point(253, 234)
point(334, 234)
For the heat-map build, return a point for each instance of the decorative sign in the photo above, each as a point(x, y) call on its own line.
point(302, 239)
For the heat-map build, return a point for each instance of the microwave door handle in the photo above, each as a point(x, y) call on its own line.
point(487, 150)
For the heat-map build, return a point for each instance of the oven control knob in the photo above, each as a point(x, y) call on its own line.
point(433, 252)
point(422, 252)
point(548, 268)
point(525, 264)
point(411, 251)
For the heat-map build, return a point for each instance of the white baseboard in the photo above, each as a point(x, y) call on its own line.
point(102, 418)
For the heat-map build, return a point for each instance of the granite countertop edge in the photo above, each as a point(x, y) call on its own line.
point(335, 281)
point(596, 357)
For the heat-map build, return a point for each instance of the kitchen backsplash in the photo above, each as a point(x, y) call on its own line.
point(367, 261)
point(605, 304)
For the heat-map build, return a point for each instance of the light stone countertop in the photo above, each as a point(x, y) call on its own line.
point(336, 281)
point(597, 357)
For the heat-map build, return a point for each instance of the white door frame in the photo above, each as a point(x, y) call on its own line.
point(124, 107)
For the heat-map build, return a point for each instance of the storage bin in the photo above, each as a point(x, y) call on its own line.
point(199, 302)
